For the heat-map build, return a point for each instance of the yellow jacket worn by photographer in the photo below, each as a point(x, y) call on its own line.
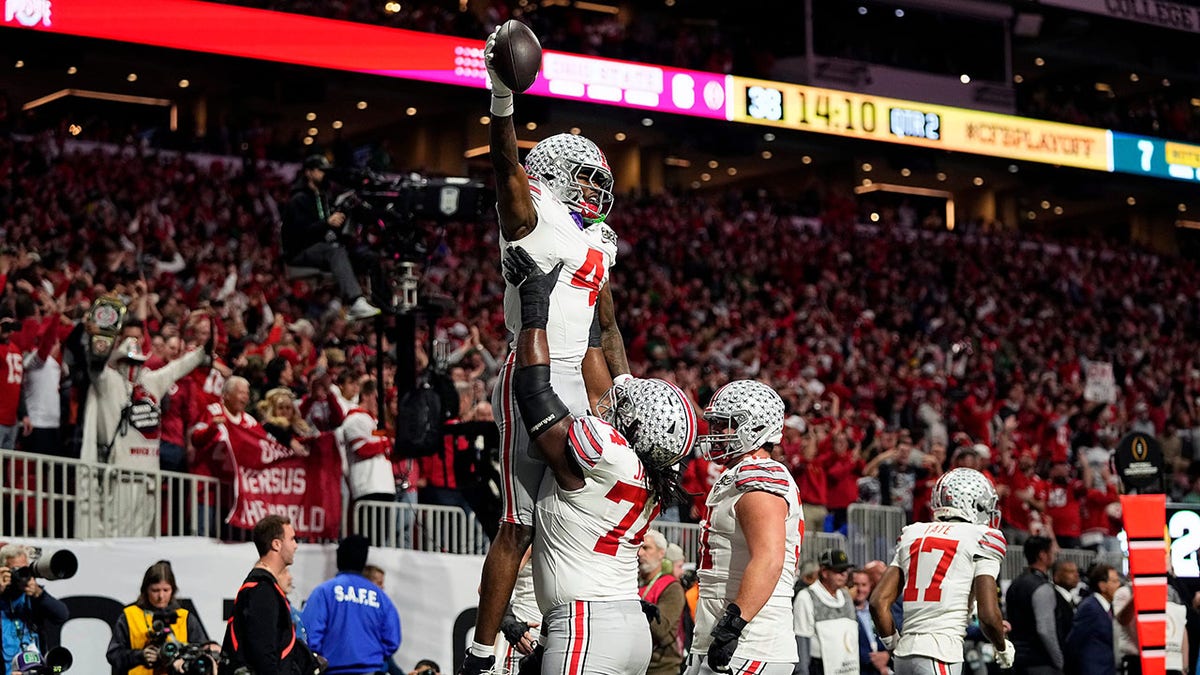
point(141, 624)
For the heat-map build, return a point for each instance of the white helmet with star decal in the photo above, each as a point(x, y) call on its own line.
point(561, 162)
point(966, 495)
point(654, 416)
point(743, 416)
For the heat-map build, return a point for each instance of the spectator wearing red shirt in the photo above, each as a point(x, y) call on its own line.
point(211, 453)
point(1022, 501)
point(12, 370)
point(800, 455)
point(1099, 528)
point(844, 468)
point(975, 413)
point(1064, 505)
point(698, 478)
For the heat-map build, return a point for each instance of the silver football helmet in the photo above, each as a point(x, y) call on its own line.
point(967, 495)
point(655, 417)
point(748, 415)
point(561, 162)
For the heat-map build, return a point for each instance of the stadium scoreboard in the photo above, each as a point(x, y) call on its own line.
point(281, 37)
point(889, 120)
point(1155, 157)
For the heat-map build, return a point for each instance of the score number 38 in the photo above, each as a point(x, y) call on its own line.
point(831, 113)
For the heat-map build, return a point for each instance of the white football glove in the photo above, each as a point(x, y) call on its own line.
point(890, 641)
point(1005, 658)
point(502, 98)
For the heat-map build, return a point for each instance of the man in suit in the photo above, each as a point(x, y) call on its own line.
point(1065, 575)
point(872, 655)
point(1090, 642)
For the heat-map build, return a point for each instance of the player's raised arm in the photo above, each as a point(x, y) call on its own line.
point(610, 334)
point(513, 202)
point(546, 416)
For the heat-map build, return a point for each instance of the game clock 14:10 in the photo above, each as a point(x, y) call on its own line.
point(843, 115)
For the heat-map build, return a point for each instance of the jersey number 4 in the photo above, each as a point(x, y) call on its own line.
point(590, 275)
point(933, 592)
point(636, 496)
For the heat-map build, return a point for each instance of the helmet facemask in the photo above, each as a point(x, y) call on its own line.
point(743, 416)
point(571, 166)
point(735, 440)
point(655, 418)
point(616, 407)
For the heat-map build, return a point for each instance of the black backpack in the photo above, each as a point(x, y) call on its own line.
point(421, 415)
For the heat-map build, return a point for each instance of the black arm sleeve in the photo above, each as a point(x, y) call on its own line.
point(540, 407)
point(302, 223)
point(120, 655)
point(50, 611)
point(195, 629)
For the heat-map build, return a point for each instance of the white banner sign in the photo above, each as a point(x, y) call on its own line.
point(1154, 12)
point(1100, 386)
point(435, 594)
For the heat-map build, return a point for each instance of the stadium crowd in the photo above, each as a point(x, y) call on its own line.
point(900, 351)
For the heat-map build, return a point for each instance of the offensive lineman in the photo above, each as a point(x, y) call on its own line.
point(556, 211)
point(752, 528)
point(608, 477)
point(940, 567)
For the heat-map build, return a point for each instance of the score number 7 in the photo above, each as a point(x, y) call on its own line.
point(1147, 150)
point(932, 592)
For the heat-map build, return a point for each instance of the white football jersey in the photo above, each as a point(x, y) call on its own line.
point(724, 555)
point(586, 541)
point(587, 254)
point(939, 563)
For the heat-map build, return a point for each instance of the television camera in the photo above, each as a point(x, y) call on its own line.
point(177, 656)
point(388, 213)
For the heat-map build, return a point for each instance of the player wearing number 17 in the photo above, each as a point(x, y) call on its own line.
point(938, 570)
point(555, 207)
point(608, 476)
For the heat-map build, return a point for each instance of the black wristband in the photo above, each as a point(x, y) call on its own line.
point(540, 407)
point(535, 307)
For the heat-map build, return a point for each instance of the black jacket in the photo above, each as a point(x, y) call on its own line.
point(304, 220)
point(260, 632)
point(1018, 602)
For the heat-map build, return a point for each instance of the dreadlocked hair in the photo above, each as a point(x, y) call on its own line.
point(665, 487)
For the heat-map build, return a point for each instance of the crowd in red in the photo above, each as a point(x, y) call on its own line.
point(900, 352)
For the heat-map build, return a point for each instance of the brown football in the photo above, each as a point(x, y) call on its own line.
point(517, 56)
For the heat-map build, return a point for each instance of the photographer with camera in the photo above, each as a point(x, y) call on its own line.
point(26, 609)
point(143, 630)
point(310, 236)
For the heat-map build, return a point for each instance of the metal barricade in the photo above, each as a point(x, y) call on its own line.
point(420, 527)
point(872, 532)
point(57, 498)
point(686, 535)
point(815, 542)
point(1014, 560)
